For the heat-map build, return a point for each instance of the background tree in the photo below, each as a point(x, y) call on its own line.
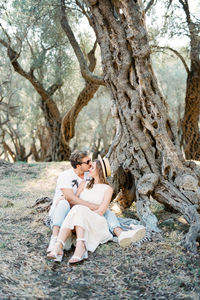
point(8, 112)
point(95, 126)
point(181, 22)
point(60, 127)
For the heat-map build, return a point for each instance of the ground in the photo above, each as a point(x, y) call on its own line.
point(158, 269)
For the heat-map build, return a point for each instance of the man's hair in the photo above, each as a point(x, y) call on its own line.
point(76, 157)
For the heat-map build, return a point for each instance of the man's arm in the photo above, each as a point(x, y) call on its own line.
point(73, 199)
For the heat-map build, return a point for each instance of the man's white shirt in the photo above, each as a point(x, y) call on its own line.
point(67, 180)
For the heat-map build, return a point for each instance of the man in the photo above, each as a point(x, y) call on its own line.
point(65, 197)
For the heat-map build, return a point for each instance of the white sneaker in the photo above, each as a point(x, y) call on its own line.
point(52, 243)
point(131, 236)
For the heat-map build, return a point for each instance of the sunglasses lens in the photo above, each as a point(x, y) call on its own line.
point(85, 162)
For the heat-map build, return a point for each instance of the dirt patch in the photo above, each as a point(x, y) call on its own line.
point(160, 269)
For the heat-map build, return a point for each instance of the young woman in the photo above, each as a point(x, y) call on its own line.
point(90, 226)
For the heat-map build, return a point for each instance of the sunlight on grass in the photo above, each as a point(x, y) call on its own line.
point(46, 180)
point(19, 191)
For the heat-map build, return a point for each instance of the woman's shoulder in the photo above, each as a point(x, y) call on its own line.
point(109, 187)
point(105, 186)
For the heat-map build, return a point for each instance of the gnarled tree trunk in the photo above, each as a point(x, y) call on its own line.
point(146, 145)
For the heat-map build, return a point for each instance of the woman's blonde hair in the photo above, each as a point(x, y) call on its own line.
point(102, 179)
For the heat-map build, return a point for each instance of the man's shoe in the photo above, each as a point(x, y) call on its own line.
point(52, 243)
point(131, 236)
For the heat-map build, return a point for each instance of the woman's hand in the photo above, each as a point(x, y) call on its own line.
point(99, 212)
point(80, 188)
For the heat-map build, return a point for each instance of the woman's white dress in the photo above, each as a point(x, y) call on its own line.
point(95, 226)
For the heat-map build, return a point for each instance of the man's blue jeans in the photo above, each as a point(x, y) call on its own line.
point(63, 208)
point(112, 220)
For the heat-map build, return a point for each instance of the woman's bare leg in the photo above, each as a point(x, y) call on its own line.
point(80, 245)
point(63, 235)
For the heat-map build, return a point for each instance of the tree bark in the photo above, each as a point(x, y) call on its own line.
point(69, 120)
point(146, 143)
point(190, 124)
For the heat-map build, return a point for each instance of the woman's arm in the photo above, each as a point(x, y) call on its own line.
point(106, 201)
point(80, 188)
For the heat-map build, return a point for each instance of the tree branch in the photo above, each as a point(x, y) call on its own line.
point(4, 122)
point(84, 12)
point(151, 2)
point(68, 122)
point(46, 97)
point(53, 88)
point(177, 53)
point(92, 58)
point(82, 62)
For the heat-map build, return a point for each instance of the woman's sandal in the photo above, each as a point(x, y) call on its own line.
point(78, 259)
point(56, 257)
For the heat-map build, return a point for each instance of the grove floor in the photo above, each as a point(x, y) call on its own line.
point(158, 269)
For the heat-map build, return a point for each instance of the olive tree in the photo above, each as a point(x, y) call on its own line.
point(145, 154)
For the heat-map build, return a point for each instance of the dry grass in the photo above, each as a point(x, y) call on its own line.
point(160, 269)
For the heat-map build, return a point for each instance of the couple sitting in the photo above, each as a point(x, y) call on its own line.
point(80, 205)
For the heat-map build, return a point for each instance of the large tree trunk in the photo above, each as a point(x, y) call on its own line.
point(146, 144)
point(57, 149)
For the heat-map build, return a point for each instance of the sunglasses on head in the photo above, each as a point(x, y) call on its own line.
point(85, 162)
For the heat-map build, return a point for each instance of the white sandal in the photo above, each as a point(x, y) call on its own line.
point(56, 257)
point(78, 258)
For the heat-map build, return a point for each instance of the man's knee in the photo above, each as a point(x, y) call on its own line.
point(64, 204)
point(60, 212)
